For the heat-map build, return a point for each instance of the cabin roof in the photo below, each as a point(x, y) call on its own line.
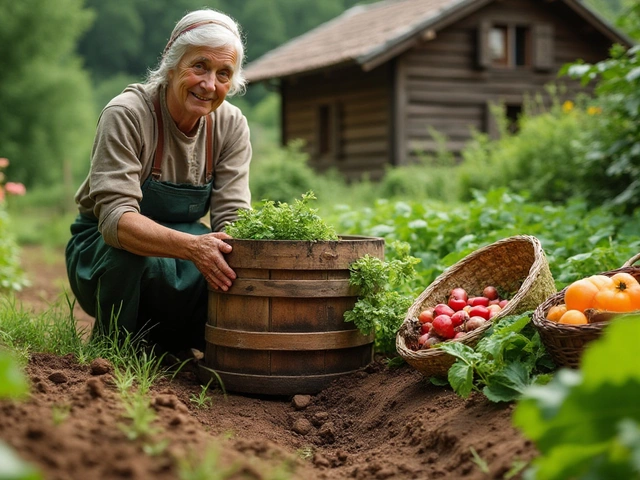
point(370, 34)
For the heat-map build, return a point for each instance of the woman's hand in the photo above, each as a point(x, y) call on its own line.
point(142, 236)
point(208, 257)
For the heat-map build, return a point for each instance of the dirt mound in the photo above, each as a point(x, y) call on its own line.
point(377, 424)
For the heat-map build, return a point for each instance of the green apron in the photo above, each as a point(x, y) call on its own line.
point(165, 296)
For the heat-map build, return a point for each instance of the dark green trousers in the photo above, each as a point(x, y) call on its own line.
point(164, 298)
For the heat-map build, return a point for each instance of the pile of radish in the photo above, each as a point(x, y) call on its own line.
point(460, 315)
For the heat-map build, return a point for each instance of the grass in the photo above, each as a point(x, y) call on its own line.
point(202, 400)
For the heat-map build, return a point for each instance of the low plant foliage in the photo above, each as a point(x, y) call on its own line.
point(508, 359)
point(586, 422)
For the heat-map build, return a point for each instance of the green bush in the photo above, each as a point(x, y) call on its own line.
point(611, 147)
point(281, 174)
point(11, 275)
point(542, 158)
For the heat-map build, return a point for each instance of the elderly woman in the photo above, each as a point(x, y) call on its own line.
point(166, 153)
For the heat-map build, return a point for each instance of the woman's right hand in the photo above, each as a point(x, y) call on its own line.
point(208, 257)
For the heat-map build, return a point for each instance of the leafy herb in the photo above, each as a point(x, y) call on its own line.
point(281, 221)
point(380, 308)
point(586, 423)
point(504, 363)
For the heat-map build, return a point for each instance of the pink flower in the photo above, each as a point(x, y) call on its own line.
point(14, 188)
point(4, 162)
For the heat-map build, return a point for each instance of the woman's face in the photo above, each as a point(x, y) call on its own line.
point(199, 84)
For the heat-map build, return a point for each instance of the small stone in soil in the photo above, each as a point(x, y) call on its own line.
point(302, 426)
point(300, 402)
point(100, 366)
point(319, 418)
point(58, 377)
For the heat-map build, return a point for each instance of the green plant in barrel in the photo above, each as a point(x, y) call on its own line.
point(282, 221)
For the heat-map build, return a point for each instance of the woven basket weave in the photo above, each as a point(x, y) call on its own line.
point(565, 343)
point(515, 264)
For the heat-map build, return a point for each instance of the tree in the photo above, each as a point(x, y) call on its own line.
point(45, 95)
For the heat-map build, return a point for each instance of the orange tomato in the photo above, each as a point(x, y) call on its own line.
point(580, 295)
point(600, 281)
point(573, 317)
point(623, 295)
point(556, 312)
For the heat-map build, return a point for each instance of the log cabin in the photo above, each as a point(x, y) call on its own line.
point(368, 88)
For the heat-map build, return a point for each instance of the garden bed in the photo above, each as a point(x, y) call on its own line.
point(382, 423)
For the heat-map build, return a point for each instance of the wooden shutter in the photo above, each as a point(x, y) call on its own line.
point(543, 50)
point(483, 51)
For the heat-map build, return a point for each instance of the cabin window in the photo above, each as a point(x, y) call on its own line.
point(328, 130)
point(509, 46)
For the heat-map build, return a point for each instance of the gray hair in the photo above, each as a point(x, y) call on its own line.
point(201, 28)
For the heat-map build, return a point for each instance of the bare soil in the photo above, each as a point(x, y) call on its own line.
point(380, 423)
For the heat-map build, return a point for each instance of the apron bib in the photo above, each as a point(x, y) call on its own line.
point(165, 295)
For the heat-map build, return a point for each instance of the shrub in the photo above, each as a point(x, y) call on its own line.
point(542, 158)
point(281, 174)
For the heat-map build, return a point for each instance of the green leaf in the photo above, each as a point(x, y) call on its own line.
point(13, 468)
point(460, 378)
point(12, 380)
point(461, 351)
point(606, 361)
point(507, 384)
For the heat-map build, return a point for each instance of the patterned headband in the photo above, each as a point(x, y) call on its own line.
point(191, 27)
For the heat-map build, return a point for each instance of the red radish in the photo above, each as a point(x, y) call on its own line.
point(494, 310)
point(460, 293)
point(423, 339)
point(475, 322)
point(479, 311)
point(431, 341)
point(473, 301)
point(503, 303)
point(490, 292)
point(425, 328)
point(442, 309)
point(426, 315)
point(443, 326)
point(459, 335)
point(459, 318)
point(457, 304)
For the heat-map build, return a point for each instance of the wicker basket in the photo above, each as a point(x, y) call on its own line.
point(515, 264)
point(565, 343)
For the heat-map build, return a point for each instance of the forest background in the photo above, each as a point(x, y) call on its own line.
point(63, 60)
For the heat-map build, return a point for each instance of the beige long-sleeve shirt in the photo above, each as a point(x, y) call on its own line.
point(123, 151)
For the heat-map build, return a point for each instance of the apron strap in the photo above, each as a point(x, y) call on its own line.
point(209, 170)
point(156, 170)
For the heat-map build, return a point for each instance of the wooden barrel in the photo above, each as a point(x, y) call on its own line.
point(280, 329)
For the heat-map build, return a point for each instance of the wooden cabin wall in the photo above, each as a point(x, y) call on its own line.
point(362, 102)
point(444, 88)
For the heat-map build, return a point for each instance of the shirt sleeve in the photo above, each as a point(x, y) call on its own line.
point(115, 169)
point(231, 175)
